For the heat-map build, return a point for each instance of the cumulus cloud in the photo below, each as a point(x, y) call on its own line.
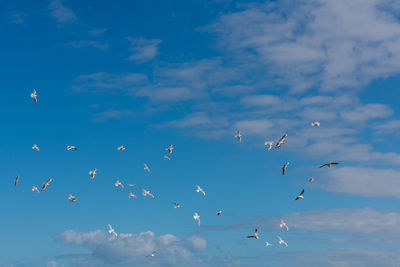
point(132, 248)
point(61, 13)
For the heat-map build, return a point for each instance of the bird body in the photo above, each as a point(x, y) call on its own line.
point(35, 147)
point(269, 144)
point(16, 180)
point(255, 235)
point(267, 244)
point(46, 184)
point(71, 198)
point(118, 183)
point(147, 193)
point(146, 168)
point(301, 195)
point(34, 188)
point(131, 195)
point(312, 179)
point(219, 212)
point(281, 241)
point(284, 167)
point(170, 148)
point(238, 136)
point(34, 96)
point(121, 148)
point(112, 231)
point(92, 173)
point(166, 157)
point(72, 148)
point(281, 141)
point(283, 225)
point(196, 217)
point(316, 124)
point(200, 190)
point(177, 205)
point(329, 164)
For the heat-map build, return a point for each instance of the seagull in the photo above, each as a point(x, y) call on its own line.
point(284, 225)
point(131, 195)
point(238, 135)
point(112, 231)
point(118, 183)
point(200, 190)
point(219, 212)
point(177, 205)
point(196, 217)
point(268, 244)
point(35, 147)
point(281, 241)
point(281, 141)
point(147, 193)
point(146, 168)
point(284, 167)
point(255, 235)
point(169, 149)
point(329, 164)
point(16, 180)
point(131, 185)
point(121, 148)
point(312, 179)
point(166, 157)
point(92, 173)
point(269, 144)
point(34, 96)
point(151, 254)
point(45, 184)
point(72, 148)
point(71, 198)
point(316, 124)
point(301, 195)
point(34, 188)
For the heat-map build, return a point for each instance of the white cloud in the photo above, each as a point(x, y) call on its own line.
point(143, 49)
point(61, 13)
point(132, 248)
point(80, 44)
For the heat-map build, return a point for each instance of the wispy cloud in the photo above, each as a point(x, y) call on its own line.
point(142, 49)
point(80, 44)
point(61, 13)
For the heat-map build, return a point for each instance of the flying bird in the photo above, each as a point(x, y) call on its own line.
point(196, 217)
point(166, 157)
point(131, 195)
point(147, 193)
point(35, 147)
point(72, 148)
point(269, 144)
point(46, 184)
point(312, 179)
point(284, 167)
point(118, 183)
point(170, 148)
point(151, 254)
point(146, 168)
point(34, 96)
point(283, 225)
point(281, 141)
point(238, 135)
point(281, 241)
point(34, 188)
point(131, 185)
point(121, 148)
point(200, 190)
point(301, 195)
point(267, 244)
point(71, 198)
point(255, 235)
point(219, 212)
point(316, 124)
point(16, 180)
point(329, 164)
point(177, 205)
point(92, 173)
point(112, 231)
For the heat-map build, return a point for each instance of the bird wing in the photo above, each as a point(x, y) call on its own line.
point(302, 192)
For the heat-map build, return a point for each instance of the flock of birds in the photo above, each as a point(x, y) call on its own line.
point(269, 145)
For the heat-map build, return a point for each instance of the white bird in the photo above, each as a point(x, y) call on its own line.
point(177, 205)
point(121, 148)
point(112, 231)
point(34, 188)
point(170, 148)
point(281, 241)
point(238, 135)
point(219, 212)
point(269, 144)
point(281, 141)
point(200, 190)
point(312, 179)
point(146, 168)
point(301, 195)
point(131, 195)
point(46, 184)
point(72, 148)
point(131, 185)
point(92, 173)
point(147, 193)
point(34, 96)
point(284, 167)
point(118, 183)
point(196, 217)
point(166, 157)
point(151, 254)
point(283, 225)
point(71, 198)
point(255, 235)
point(267, 244)
point(35, 147)
point(316, 124)
point(16, 180)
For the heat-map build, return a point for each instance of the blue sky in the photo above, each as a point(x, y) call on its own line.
point(145, 74)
